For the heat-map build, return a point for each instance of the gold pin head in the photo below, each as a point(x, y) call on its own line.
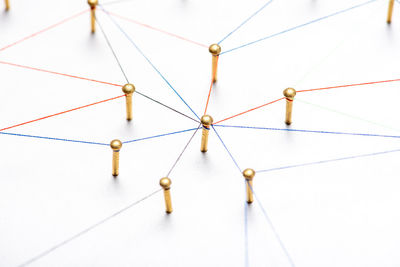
point(215, 49)
point(165, 183)
point(289, 93)
point(128, 89)
point(116, 145)
point(249, 174)
point(93, 3)
point(206, 120)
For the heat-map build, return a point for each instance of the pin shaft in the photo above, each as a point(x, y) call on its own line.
point(249, 175)
point(204, 140)
point(214, 67)
point(249, 185)
point(168, 202)
point(7, 4)
point(289, 108)
point(93, 18)
point(129, 107)
point(390, 11)
point(115, 163)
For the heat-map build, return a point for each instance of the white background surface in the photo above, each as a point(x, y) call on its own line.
point(334, 214)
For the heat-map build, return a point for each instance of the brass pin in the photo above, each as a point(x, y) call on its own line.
point(116, 147)
point(249, 175)
point(93, 4)
point(7, 5)
point(166, 185)
point(289, 93)
point(390, 11)
point(215, 50)
point(206, 120)
point(128, 89)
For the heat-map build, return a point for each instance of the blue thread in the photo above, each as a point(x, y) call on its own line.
point(219, 137)
point(272, 226)
point(246, 231)
point(56, 139)
point(329, 160)
point(148, 60)
point(262, 208)
point(244, 22)
point(160, 135)
point(299, 26)
point(310, 131)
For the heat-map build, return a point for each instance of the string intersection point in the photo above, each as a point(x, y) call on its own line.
point(148, 60)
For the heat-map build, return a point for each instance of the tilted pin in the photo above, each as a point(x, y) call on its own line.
point(215, 50)
point(128, 90)
point(249, 175)
point(390, 11)
point(166, 185)
point(206, 121)
point(116, 147)
point(93, 4)
point(7, 4)
point(289, 93)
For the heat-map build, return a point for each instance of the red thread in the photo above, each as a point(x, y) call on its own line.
point(348, 85)
point(244, 112)
point(63, 112)
point(57, 73)
point(208, 97)
point(211, 86)
point(44, 30)
point(156, 29)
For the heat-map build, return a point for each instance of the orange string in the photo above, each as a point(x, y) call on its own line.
point(348, 85)
point(244, 112)
point(59, 113)
point(211, 86)
point(156, 29)
point(44, 30)
point(57, 73)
